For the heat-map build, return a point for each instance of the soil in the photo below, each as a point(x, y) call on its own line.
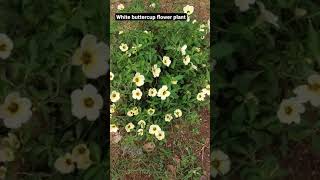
point(301, 163)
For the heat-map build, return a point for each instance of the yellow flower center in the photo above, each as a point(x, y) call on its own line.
point(137, 94)
point(88, 102)
point(114, 95)
point(13, 107)
point(288, 110)
point(68, 161)
point(3, 47)
point(216, 164)
point(136, 79)
point(82, 150)
point(154, 129)
point(86, 58)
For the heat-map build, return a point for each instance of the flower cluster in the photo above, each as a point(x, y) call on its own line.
point(291, 109)
point(78, 158)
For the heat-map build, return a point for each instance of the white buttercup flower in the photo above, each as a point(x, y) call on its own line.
point(201, 96)
point(206, 91)
point(160, 135)
point(92, 57)
point(130, 113)
point(123, 47)
point(120, 7)
point(111, 76)
point(177, 113)
point(168, 117)
point(152, 92)
point(244, 5)
point(154, 128)
point(188, 9)
point(166, 61)
point(290, 110)
point(6, 46)
point(153, 5)
point(135, 111)
point(113, 128)
point(138, 79)
point(309, 92)
point(121, 32)
point(86, 102)
point(81, 156)
point(142, 123)
point(140, 132)
point(183, 49)
point(194, 21)
point(129, 127)
point(151, 111)
point(267, 15)
point(155, 70)
point(137, 94)
point(221, 163)
point(186, 60)
point(65, 164)
point(163, 92)
point(174, 82)
point(114, 96)
point(15, 110)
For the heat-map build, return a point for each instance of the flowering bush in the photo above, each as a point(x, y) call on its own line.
point(159, 73)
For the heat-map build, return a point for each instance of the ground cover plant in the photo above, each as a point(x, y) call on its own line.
point(266, 98)
point(53, 66)
point(160, 75)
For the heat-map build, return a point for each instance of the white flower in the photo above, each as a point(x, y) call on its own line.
point(174, 82)
point(166, 61)
point(197, 49)
point(168, 117)
point(267, 15)
point(3, 172)
point(114, 96)
point(11, 141)
point(135, 111)
point(151, 111)
point(112, 108)
point(6, 46)
point(206, 91)
point(147, 32)
point(120, 32)
point(186, 60)
point(120, 7)
point(201, 96)
point(91, 56)
point(142, 123)
point(244, 5)
point(65, 164)
point(177, 113)
point(220, 163)
point(130, 113)
point(154, 128)
point(86, 102)
point(78, 151)
point(155, 70)
point(153, 5)
point(138, 79)
point(123, 47)
point(309, 92)
point(129, 127)
point(163, 92)
point(152, 92)
point(111, 76)
point(137, 94)
point(6, 154)
point(113, 128)
point(160, 135)
point(202, 28)
point(194, 66)
point(194, 21)
point(188, 9)
point(84, 162)
point(183, 49)
point(15, 110)
point(140, 132)
point(290, 110)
